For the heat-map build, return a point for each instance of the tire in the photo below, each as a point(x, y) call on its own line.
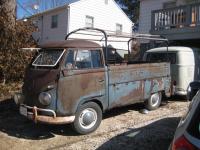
point(154, 101)
point(88, 118)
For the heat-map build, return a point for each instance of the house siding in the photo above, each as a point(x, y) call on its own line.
point(46, 33)
point(73, 16)
point(105, 17)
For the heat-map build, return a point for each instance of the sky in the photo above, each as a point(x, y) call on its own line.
point(21, 12)
point(25, 8)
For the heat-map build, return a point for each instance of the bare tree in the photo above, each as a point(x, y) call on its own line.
point(13, 35)
point(7, 22)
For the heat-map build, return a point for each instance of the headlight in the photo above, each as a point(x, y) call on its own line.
point(45, 98)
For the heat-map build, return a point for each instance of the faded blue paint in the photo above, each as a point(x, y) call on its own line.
point(147, 88)
point(123, 85)
point(133, 83)
point(121, 94)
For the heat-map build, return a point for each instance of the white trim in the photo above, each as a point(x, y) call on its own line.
point(49, 10)
point(49, 65)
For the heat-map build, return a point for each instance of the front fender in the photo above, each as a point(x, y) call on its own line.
point(96, 97)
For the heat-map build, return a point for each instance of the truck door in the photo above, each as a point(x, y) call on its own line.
point(83, 79)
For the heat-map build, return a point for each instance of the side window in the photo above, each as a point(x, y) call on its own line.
point(96, 59)
point(118, 28)
point(172, 58)
point(89, 21)
point(54, 21)
point(83, 59)
point(70, 59)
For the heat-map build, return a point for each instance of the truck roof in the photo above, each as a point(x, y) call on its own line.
point(77, 43)
point(173, 49)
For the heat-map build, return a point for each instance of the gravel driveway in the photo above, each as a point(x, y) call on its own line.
point(122, 128)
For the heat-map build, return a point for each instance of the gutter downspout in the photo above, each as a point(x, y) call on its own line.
point(42, 30)
point(68, 19)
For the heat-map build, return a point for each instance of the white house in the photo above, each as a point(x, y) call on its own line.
point(178, 20)
point(55, 24)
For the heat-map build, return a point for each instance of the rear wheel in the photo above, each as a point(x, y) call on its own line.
point(154, 101)
point(88, 118)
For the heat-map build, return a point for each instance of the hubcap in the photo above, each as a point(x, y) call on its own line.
point(88, 118)
point(155, 99)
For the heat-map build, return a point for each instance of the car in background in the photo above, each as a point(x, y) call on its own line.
point(185, 65)
point(187, 135)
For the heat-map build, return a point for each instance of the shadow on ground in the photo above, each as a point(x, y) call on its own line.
point(13, 124)
point(155, 136)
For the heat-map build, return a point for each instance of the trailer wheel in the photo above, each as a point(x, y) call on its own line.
point(154, 101)
point(88, 118)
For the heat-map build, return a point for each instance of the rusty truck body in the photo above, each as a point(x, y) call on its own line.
point(71, 82)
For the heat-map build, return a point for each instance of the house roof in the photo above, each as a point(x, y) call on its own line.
point(78, 43)
point(54, 9)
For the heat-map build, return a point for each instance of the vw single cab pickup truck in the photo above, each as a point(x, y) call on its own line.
point(72, 82)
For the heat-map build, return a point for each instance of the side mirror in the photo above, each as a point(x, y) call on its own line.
point(67, 69)
point(192, 89)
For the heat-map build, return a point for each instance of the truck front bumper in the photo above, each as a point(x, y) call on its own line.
point(32, 114)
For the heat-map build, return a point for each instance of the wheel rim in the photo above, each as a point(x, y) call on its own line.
point(155, 98)
point(88, 118)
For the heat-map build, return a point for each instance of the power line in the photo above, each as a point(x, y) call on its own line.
point(26, 10)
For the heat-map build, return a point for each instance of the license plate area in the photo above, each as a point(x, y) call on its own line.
point(23, 111)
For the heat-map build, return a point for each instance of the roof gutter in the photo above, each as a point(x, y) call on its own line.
point(47, 11)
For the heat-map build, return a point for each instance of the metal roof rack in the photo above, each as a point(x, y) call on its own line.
point(105, 37)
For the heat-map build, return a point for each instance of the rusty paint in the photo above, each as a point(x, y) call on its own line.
point(70, 44)
point(33, 115)
point(79, 86)
point(112, 86)
point(132, 83)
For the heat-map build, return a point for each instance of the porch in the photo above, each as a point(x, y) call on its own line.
point(178, 23)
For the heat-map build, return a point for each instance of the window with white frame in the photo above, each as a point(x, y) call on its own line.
point(118, 28)
point(89, 21)
point(54, 21)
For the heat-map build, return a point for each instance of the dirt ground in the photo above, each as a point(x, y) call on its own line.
point(123, 128)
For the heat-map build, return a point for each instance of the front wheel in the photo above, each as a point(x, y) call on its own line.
point(154, 101)
point(88, 118)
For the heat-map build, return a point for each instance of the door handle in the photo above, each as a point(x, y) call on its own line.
point(101, 80)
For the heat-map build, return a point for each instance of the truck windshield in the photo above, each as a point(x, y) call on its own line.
point(48, 57)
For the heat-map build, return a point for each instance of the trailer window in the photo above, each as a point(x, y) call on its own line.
point(162, 57)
